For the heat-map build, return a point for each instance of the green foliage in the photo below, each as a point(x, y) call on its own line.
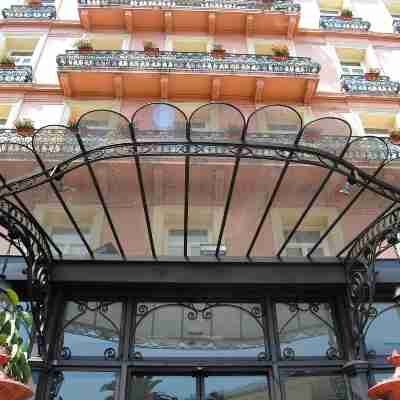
point(139, 390)
point(11, 322)
point(346, 12)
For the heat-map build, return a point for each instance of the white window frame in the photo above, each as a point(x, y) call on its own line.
point(360, 68)
point(305, 246)
point(193, 245)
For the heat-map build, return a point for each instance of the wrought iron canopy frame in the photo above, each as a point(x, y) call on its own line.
point(59, 150)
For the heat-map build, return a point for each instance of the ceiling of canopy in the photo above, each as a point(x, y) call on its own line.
point(212, 184)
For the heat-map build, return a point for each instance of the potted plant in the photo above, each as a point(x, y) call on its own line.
point(346, 14)
point(83, 45)
point(395, 136)
point(33, 3)
point(24, 127)
point(7, 62)
point(218, 51)
point(15, 372)
point(73, 123)
point(150, 49)
point(280, 52)
point(372, 74)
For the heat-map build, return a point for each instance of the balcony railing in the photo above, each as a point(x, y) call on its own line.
point(168, 61)
point(336, 23)
point(396, 25)
point(358, 84)
point(56, 144)
point(28, 12)
point(274, 5)
point(16, 74)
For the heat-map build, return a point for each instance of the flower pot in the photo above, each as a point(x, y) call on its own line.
point(395, 139)
point(280, 58)
point(85, 49)
point(7, 66)
point(13, 390)
point(344, 18)
point(34, 3)
point(25, 132)
point(220, 53)
point(152, 51)
point(371, 76)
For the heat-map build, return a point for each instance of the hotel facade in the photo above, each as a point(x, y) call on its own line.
point(198, 198)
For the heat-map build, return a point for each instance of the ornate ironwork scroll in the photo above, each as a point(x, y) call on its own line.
point(25, 234)
point(361, 272)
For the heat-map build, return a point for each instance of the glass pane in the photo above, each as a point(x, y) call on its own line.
point(383, 332)
point(199, 330)
point(315, 388)
point(162, 388)
point(33, 382)
point(306, 329)
point(380, 376)
point(237, 388)
point(88, 385)
point(91, 329)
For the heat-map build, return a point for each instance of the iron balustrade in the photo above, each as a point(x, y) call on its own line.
point(58, 143)
point(29, 12)
point(168, 61)
point(358, 84)
point(17, 74)
point(396, 25)
point(273, 5)
point(336, 23)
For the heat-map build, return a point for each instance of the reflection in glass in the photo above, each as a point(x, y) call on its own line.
point(199, 330)
point(88, 385)
point(306, 330)
point(162, 388)
point(382, 333)
point(91, 329)
point(33, 383)
point(315, 388)
point(381, 376)
point(237, 388)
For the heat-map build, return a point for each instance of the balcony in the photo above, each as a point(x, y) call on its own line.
point(43, 12)
point(339, 24)
point(16, 75)
point(358, 84)
point(396, 25)
point(258, 17)
point(187, 75)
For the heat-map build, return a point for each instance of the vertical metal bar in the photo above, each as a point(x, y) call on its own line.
point(23, 206)
point(305, 212)
point(143, 194)
point(66, 209)
point(227, 205)
point(386, 210)
point(101, 198)
point(274, 349)
point(267, 208)
point(186, 209)
point(339, 217)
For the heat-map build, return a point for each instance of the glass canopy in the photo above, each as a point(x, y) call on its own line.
point(211, 185)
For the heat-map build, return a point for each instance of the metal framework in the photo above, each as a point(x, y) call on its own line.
point(57, 152)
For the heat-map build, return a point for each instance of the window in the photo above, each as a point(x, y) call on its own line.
point(22, 57)
point(352, 68)
point(199, 330)
point(377, 123)
point(352, 60)
point(329, 13)
point(302, 242)
point(197, 45)
point(195, 239)
point(69, 242)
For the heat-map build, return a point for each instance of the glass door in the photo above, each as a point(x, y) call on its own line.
point(199, 387)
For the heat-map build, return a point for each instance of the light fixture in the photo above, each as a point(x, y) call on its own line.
point(347, 188)
point(396, 297)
